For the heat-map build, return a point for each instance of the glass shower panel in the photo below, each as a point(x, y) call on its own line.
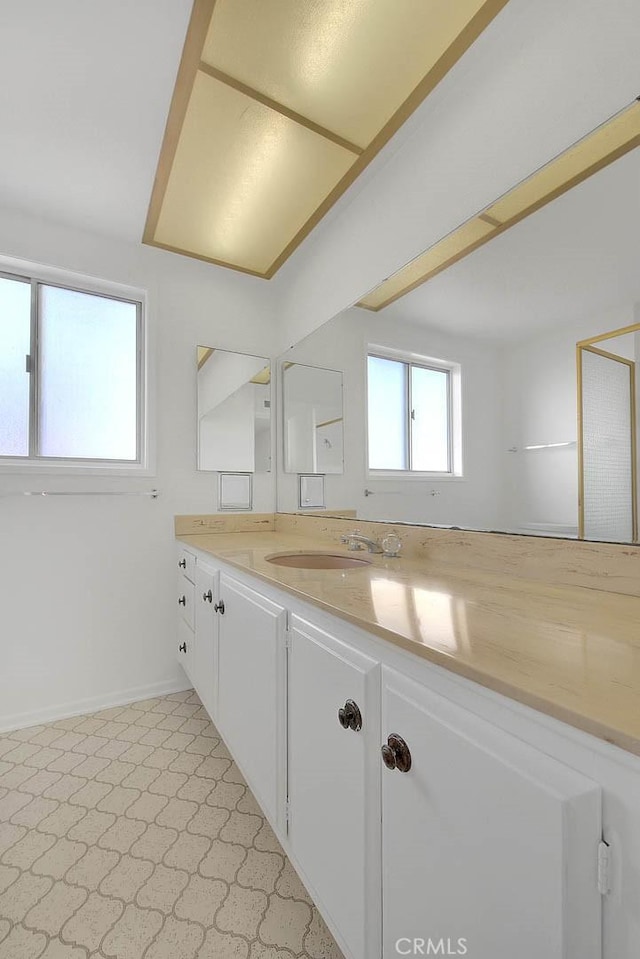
point(607, 448)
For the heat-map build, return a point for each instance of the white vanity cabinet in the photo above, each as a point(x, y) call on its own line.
point(251, 689)
point(485, 839)
point(334, 779)
point(509, 833)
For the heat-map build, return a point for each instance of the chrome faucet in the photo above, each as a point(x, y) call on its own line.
point(356, 541)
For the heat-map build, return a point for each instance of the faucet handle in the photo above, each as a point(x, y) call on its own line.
point(391, 545)
point(353, 544)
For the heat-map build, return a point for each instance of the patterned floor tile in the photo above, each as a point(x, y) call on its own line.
point(20, 897)
point(131, 834)
point(51, 912)
point(22, 943)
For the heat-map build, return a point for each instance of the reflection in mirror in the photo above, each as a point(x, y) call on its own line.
point(537, 444)
point(607, 440)
point(312, 419)
point(234, 411)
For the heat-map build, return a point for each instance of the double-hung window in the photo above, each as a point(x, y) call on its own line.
point(410, 416)
point(71, 371)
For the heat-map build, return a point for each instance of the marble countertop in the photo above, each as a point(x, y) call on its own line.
point(570, 652)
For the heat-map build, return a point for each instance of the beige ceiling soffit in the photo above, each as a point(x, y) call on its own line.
point(279, 108)
point(338, 419)
point(199, 22)
point(447, 61)
point(603, 146)
point(236, 185)
point(489, 219)
point(263, 378)
point(204, 352)
point(203, 258)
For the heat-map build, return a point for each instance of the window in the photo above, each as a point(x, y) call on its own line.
point(410, 416)
point(70, 374)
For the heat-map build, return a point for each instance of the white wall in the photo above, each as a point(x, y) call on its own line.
point(87, 585)
point(472, 500)
point(540, 390)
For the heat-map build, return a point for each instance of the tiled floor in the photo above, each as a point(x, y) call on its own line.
point(130, 833)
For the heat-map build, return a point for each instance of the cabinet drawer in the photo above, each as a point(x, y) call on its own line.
point(186, 594)
point(187, 563)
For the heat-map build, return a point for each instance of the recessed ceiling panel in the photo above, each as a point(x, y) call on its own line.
point(446, 251)
point(603, 146)
point(345, 64)
point(244, 178)
point(280, 104)
point(599, 146)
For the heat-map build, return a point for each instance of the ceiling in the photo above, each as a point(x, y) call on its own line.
point(84, 92)
point(572, 258)
point(280, 105)
point(85, 99)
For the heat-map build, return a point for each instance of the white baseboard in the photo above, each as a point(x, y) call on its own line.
point(81, 706)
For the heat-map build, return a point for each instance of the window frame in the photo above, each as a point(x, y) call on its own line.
point(454, 457)
point(37, 277)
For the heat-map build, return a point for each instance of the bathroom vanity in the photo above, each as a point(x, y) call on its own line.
point(415, 800)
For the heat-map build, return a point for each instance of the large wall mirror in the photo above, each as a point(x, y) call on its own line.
point(312, 416)
point(234, 411)
point(481, 383)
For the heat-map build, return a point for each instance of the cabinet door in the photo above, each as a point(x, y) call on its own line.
point(186, 599)
point(251, 688)
point(334, 782)
point(485, 839)
point(206, 653)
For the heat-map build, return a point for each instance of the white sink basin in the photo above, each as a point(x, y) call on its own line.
point(316, 560)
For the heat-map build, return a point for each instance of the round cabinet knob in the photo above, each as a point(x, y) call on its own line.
point(182, 647)
point(350, 717)
point(182, 564)
point(182, 601)
point(396, 754)
point(219, 607)
point(208, 596)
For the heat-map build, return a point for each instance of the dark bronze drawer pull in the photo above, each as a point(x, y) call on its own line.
point(349, 716)
point(396, 754)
